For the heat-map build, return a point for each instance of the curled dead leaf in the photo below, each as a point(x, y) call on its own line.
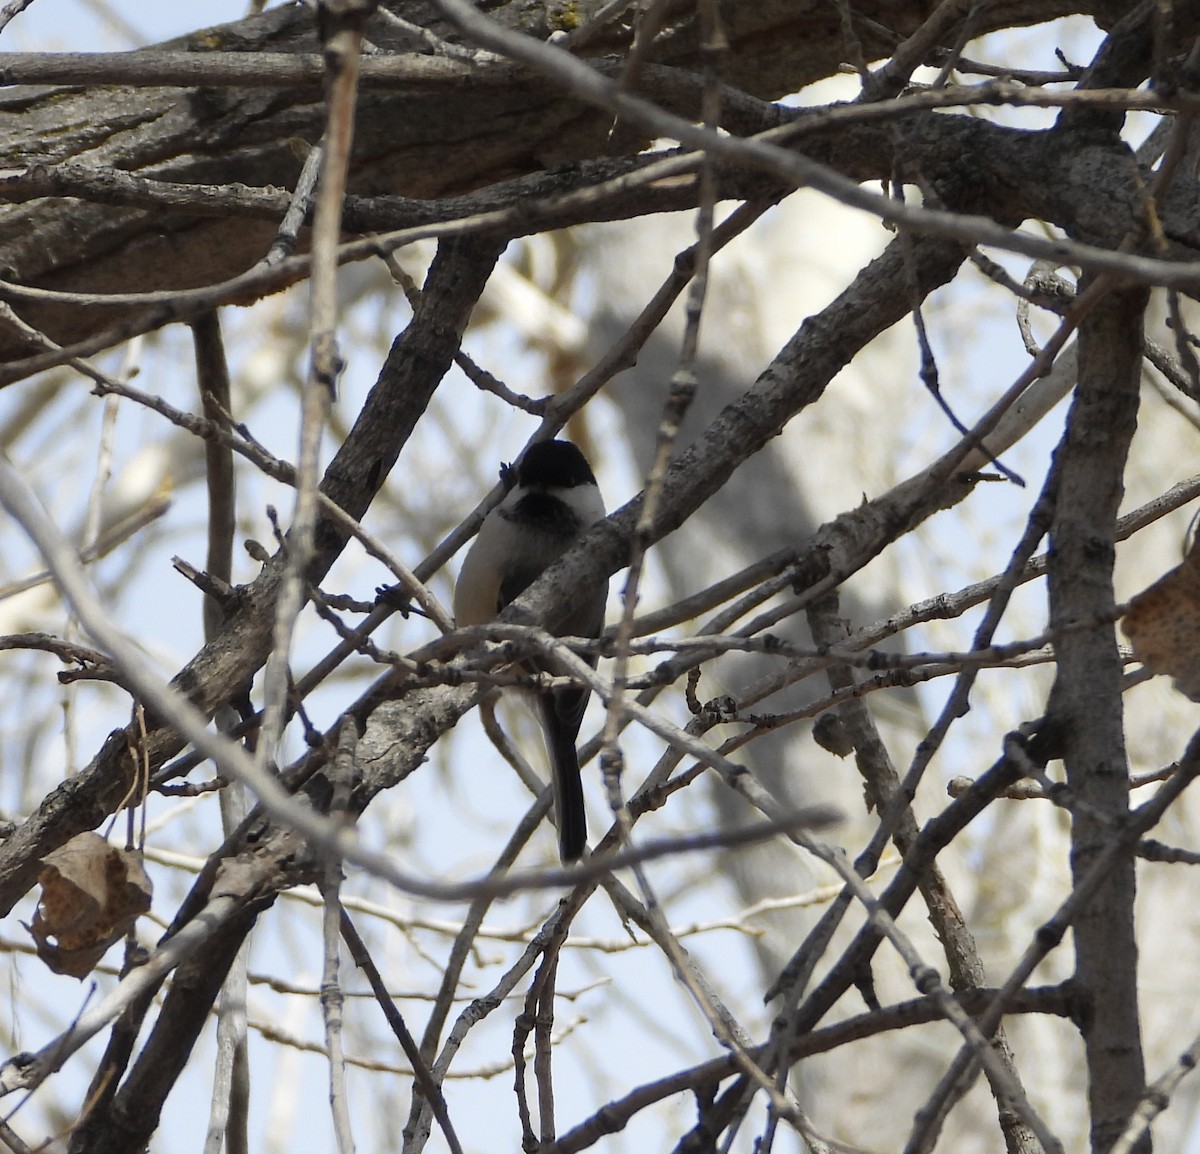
point(1163, 625)
point(92, 894)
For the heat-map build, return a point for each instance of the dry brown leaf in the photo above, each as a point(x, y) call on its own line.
point(1163, 625)
point(92, 893)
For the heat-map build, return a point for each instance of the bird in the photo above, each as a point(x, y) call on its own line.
point(553, 500)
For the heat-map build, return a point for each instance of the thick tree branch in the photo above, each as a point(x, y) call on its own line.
point(420, 142)
point(1085, 711)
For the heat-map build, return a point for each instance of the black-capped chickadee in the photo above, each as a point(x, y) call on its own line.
point(553, 501)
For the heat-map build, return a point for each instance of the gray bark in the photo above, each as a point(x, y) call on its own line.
point(443, 146)
point(426, 141)
point(1086, 712)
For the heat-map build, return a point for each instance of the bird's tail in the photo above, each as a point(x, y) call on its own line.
point(569, 814)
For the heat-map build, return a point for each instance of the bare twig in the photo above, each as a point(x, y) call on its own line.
point(11, 9)
point(332, 998)
point(227, 1125)
point(341, 33)
point(430, 1091)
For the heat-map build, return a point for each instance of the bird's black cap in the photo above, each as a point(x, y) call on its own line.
point(554, 464)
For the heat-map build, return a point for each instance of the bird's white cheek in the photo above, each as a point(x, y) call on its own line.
point(586, 502)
